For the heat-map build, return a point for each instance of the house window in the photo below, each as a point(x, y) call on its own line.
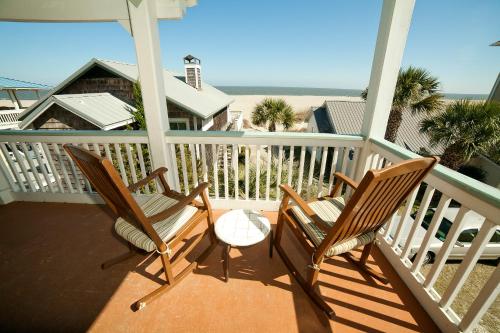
point(179, 124)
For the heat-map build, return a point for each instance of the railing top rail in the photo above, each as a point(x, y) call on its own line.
point(11, 111)
point(73, 136)
point(284, 138)
point(476, 188)
point(72, 133)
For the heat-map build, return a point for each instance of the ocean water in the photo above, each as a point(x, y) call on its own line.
point(298, 91)
point(290, 91)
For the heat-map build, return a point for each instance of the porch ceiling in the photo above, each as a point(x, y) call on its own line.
point(49, 263)
point(84, 11)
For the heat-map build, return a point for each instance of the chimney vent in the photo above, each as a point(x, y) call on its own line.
point(192, 68)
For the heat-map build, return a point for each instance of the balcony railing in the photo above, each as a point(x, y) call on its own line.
point(245, 170)
point(8, 119)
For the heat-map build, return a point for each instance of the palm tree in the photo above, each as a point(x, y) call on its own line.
point(465, 129)
point(271, 112)
point(416, 91)
point(139, 117)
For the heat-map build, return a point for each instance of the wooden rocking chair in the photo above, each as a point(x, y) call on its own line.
point(329, 226)
point(157, 225)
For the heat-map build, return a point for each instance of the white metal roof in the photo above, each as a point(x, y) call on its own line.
point(101, 109)
point(203, 103)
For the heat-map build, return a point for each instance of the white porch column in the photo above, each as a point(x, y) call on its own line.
point(391, 40)
point(144, 23)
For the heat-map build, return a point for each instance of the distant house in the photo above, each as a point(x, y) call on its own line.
point(14, 90)
point(346, 117)
point(106, 98)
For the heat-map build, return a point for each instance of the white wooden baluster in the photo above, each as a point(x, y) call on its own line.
point(402, 222)
point(184, 169)
point(257, 173)
point(268, 172)
point(158, 187)
point(73, 171)
point(97, 150)
point(53, 170)
point(375, 160)
point(32, 166)
point(354, 162)
point(333, 168)
point(311, 171)
point(301, 169)
point(424, 205)
point(142, 166)
point(226, 173)
point(481, 304)
point(8, 172)
point(234, 160)
point(247, 173)
point(444, 202)
point(290, 165)
point(107, 151)
point(13, 168)
point(280, 170)
point(471, 257)
point(35, 148)
point(204, 168)
point(22, 166)
point(381, 163)
point(131, 165)
point(78, 172)
point(215, 166)
point(345, 160)
point(449, 243)
point(194, 167)
point(322, 171)
point(5, 168)
point(121, 166)
point(62, 165)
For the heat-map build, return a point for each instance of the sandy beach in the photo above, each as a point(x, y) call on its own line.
point(300, 104)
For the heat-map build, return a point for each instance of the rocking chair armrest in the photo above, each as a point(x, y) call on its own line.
point(289, 192)
point(343, 179)
point(179, 205)
point(156, 173)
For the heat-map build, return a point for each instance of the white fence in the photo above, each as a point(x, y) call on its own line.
point(244, 168)
point(39, 169)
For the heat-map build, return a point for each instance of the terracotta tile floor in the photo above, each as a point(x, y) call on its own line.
point(51, 281)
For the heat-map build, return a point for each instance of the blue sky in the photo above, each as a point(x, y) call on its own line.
point(321, 43)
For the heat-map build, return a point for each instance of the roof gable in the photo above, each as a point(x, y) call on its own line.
point(203, 103)
point(102, 109)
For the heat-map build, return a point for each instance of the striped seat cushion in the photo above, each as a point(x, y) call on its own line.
point(329, 211)
point(166, 228)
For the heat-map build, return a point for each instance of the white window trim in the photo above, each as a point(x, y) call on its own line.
point(180, 120)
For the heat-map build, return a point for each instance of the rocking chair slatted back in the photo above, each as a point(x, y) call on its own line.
point(378, 196)
point(108, 183)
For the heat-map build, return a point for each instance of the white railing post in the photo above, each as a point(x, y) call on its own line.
point(391, 40)
point(144, 23)
point(5, 188)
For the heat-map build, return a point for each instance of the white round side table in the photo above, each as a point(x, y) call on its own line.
point(241, 228)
